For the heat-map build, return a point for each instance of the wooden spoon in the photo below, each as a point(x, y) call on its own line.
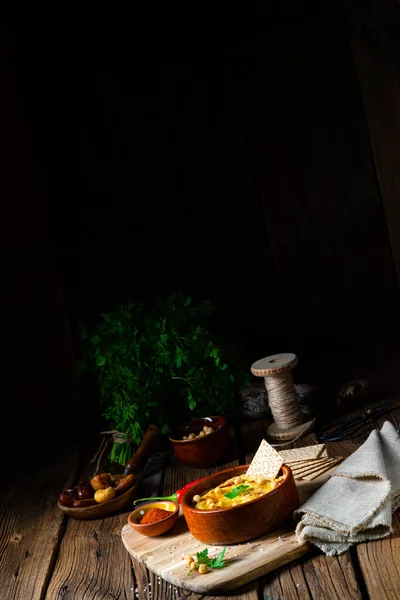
point(98, 511)
point(136, 461)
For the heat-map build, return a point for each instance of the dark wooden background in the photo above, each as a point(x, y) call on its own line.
point(253, 160)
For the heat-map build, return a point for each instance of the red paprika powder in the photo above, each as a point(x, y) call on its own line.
point(154, 515)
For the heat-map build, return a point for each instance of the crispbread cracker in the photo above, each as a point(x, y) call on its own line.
point(305, 461)
point(311, 468)
point(309, 462)
point(317, 451)
point(320, 471)
point(267, 462)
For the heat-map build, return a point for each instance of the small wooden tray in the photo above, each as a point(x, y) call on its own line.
point(245, 562)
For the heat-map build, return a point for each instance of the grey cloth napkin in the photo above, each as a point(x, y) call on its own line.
point(356, 503)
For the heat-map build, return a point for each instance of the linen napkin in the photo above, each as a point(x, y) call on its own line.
point(356, 503)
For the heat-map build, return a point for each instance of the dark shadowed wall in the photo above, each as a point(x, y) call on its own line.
point(243, 164)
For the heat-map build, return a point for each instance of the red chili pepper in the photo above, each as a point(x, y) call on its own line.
point(177, 497)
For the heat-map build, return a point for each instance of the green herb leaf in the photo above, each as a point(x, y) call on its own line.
point(100, 361)
point(218, 561)
point(236, 491)
point(202, 557)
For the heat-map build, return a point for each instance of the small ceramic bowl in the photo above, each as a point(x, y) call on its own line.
point(153, 529)
point(201, 452)
point(243, 522)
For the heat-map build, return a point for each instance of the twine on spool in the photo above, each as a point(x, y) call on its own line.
point(118, 437)
point(283, 401)
point(289, 422)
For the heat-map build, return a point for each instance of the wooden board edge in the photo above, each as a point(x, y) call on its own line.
point(199, 588)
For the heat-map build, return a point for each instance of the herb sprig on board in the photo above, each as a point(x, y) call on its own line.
point(202, 558)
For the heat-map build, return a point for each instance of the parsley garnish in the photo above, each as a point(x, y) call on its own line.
point(236, 491)
point(202, 557)
point(218, 561)
point(214, 563)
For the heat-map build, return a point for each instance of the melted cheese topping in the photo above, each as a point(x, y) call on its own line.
point(250, 489)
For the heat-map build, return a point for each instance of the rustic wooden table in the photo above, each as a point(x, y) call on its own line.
point(45, 555)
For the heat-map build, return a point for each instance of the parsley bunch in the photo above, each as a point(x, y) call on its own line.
point(158, 364)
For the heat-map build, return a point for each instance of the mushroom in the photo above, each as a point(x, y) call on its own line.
point(105, 495)
point(101, 482)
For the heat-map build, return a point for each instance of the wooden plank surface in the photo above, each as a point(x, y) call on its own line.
point(380, 564)
point(380, 560)
point(90, 562)
point(31, 524)
point(149, 586)
point(45, 556)
point(315, 577)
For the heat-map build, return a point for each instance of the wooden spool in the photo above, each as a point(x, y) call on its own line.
point(274, 366)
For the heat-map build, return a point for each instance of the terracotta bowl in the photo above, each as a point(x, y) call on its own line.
point(153, 529)
point(201, 452)
point(243, 522)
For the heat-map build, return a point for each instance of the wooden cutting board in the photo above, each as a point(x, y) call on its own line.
point(245, 562)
